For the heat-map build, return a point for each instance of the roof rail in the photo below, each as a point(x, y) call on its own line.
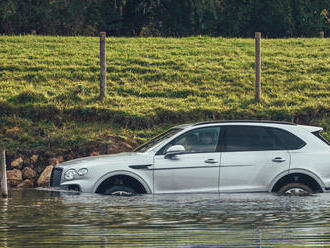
point(245, 121)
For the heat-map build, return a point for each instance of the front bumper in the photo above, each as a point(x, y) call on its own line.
point(71, 187)
point(55, 181)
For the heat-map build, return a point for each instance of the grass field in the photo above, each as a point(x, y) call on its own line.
point(49, 86)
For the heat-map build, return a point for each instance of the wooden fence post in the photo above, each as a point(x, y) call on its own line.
point(258, 66)
point(103, 83)
point(4, 188)
point(321, 34)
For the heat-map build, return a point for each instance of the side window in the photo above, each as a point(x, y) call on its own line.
point(288, 140)
point(198, 140)
point(249, 138)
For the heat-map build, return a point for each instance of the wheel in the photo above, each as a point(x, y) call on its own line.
point(120, 191)
point(295, 189)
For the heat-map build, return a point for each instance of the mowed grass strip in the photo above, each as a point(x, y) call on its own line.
point(158, 82)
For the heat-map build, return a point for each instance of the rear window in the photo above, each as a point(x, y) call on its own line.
point(318, 134)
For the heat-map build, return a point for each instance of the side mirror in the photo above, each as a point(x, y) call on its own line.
point(174, 150)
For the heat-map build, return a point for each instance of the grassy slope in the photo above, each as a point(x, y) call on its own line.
point(49, 86)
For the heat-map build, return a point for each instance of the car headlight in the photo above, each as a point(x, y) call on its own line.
point(69, 174)
point(82, 172)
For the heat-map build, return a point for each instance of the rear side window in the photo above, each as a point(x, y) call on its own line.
point(317, 134)
point(249, 138)
point(253, 138)
point(288, 140)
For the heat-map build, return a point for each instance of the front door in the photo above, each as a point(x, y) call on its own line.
point(252, 157)
point(195, 170)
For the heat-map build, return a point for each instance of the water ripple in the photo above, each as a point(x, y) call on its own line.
point(40, 218)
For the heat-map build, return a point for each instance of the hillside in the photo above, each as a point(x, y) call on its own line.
point(49, 88)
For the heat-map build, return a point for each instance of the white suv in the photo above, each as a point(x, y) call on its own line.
point(224, 156)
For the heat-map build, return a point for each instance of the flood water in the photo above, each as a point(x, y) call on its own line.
point(40, 218)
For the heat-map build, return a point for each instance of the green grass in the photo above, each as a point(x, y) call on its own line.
point(49, 86)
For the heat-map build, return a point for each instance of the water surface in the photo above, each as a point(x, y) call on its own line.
point(41, 218)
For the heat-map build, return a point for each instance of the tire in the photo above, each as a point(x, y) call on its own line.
point(120, 191)
point(295, 189)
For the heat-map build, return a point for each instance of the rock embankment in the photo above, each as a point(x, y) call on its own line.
point(33, 170)
point(29, 172)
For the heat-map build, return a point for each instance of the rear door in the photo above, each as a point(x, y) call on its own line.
point(251, 157)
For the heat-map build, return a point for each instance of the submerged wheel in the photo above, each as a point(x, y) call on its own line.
point(295, 189)
point(120, 191)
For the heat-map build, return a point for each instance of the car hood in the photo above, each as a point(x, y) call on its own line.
point(128, 158)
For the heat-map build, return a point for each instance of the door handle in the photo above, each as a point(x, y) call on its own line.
point(210, 161)
point(278, 160)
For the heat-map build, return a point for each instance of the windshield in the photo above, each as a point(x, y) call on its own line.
point(158, 139)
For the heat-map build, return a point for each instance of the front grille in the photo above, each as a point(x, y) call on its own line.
point(55, 177)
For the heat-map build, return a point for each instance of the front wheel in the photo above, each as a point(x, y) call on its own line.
point(120, 191)
point(295, 189)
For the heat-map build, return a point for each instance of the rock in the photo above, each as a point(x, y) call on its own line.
point(45, 176)
point(17, 163)
point(27, 183)
point(34, 159)
point(14, 177)
point(29, 173)
point(94, 154)
point(56, 160)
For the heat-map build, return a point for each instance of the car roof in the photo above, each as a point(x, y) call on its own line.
point(244, 121)
point(184, 126)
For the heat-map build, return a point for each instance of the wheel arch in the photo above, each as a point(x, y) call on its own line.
point(122, 173)
point(291, 172)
